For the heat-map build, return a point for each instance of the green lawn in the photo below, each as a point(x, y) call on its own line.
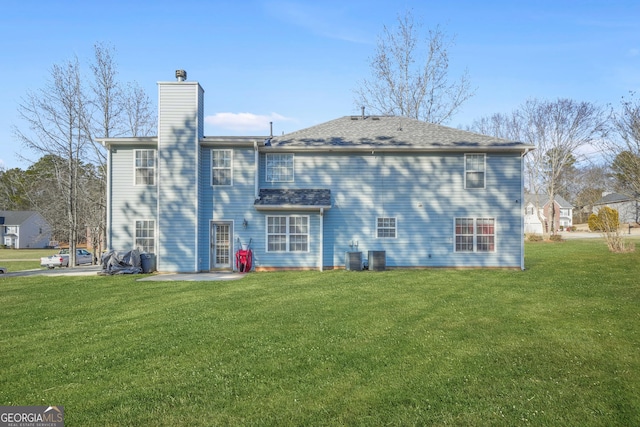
point(557, 344)
point(23, 259)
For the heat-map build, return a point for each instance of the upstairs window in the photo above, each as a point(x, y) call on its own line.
point(386, 227)
point(474, 171)
point(279, 168)
point(221, 167)
point(475, 235)
point(145, 167)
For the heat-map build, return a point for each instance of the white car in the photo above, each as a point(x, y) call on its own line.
point(3, 270)
point(61, 259)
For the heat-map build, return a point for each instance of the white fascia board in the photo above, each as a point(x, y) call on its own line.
point(291, 208)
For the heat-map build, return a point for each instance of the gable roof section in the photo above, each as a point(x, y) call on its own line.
point(613, 198)
point(16, 217)
point(300, 199)
point(543, 199)
point(391, 133)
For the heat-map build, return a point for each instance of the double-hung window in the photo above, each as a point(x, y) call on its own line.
point(221, 167)
point(288, 233)
point(279, 168)
point(474, 171)
point(145, 167)
point(386, 227)
point(475, 234)
point(145, 240)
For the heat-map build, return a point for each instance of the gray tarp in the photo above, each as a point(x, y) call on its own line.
point(114, 262)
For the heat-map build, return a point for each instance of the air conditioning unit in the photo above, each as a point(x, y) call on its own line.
point(377, 260)
point(353, 261)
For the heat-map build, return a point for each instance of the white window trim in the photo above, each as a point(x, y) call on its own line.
point(287, 234)
point(395, 228)
point(155, 233)
point(475, 235)
point(230, 167)
point(155, 167)
point(266, 167)
point(484, 171)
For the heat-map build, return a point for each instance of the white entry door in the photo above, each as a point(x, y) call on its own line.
point(221, 245)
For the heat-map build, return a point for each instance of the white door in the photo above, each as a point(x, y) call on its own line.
point(221, 245)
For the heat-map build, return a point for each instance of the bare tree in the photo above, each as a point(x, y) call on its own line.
point(57, 120)
point(64, 119)
point(139, 112)
point(625, 152)
point(559, 129)
point(410, 75)
point(117, 111)
point(592, 181)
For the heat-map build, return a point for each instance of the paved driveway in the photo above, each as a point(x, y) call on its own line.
point(92, 270)
point(81, 270)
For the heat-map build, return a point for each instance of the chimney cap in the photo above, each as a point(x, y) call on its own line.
point(181, 75)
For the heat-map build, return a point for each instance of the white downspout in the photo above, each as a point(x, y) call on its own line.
point(321, 238)
point(109, 241)
point(522, 208)
point(256, 180)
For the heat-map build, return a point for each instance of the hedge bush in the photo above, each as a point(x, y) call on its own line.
point(607, 220)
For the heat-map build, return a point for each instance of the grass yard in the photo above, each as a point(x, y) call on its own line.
point(23, 259)
point(557, 344)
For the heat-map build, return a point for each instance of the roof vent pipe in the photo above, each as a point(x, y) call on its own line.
point(181, 75)
point(271, 131)
point(363, 112)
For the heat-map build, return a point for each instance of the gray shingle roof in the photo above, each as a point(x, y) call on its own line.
point(543, 199)
point(299, 198)
point(613, 198)
point(389, 132)
point(16, 217)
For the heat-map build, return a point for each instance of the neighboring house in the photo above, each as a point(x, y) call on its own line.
point(24, 229)
point(563, 213)
point(427, 195)
point(628, 208)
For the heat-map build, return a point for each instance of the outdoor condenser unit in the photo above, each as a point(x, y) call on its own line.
point(377, 260)
point(353, 261)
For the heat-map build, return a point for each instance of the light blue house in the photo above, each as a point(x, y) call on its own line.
point(424, 195)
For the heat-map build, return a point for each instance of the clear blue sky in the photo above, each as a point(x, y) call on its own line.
point(296, 63)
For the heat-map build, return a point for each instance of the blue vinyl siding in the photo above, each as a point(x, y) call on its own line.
point(424, 192)
point(178, 145)
point(227, 203)
point(129, 202)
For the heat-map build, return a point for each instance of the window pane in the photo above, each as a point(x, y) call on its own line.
point(277, 243)
point(221, 167)
point(464, 226)
point(298, 243)
point(145, 167)
point(144, 236)
point(464, 243)
point(287, 233)
point(475, 180)
point(386, 227)
point(474, 170)
point(464, 234)
point(486, 243)
point(279, 168)
point(485, 225)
